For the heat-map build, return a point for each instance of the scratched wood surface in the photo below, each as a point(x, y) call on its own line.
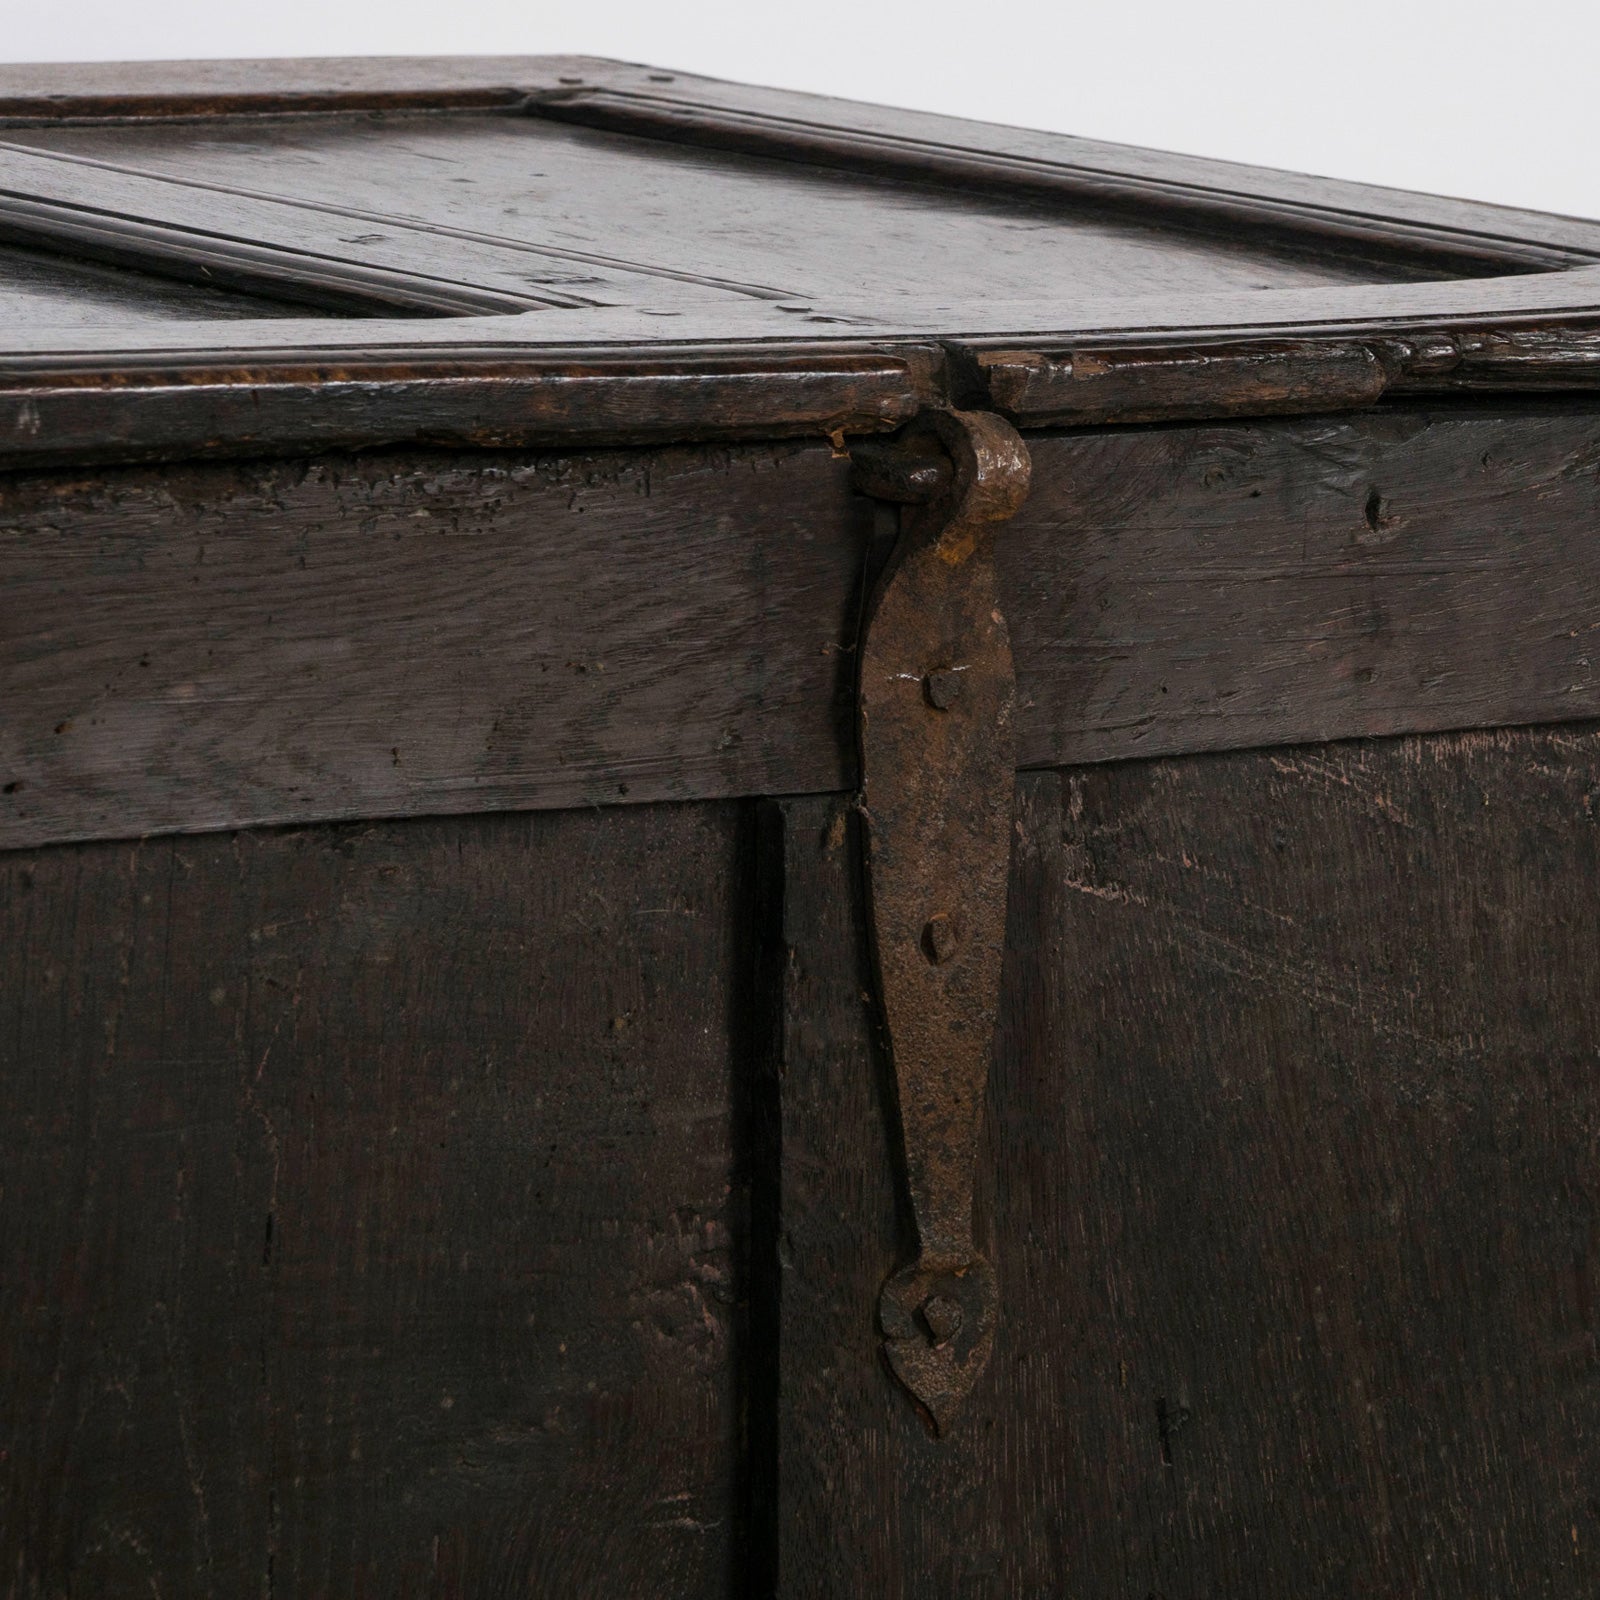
point(207, 646)
point(1418, 568)
point(1290, 1176)
point(37, 288)
point(638, 188)
point(592, 224)
point(534, 208)
point(40, 93)
point(397, 635)
point(371, 1220)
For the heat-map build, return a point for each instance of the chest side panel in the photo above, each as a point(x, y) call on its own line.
point(211, 646)
point(371, 1209)
point(1290, 1179)
point(195, 647)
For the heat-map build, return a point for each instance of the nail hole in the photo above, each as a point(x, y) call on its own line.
point(940, 938)
point(1375, 513)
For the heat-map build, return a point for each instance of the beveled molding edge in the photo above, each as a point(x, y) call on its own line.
point(216, 260)
point(1093, 383)
point(159, 406)
point(1451, 251)
point(163, 405)
point(691, 108)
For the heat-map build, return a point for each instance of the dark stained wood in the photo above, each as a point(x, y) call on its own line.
point(1291, 1181)
point(50, 91)
point(495, 1204)
point(1083, 387)
point(202, 648)
point(68, 410)
point(314, 241)
point(44, 92)
point(1214, 588)
point(396, 636)
point(641, 221)
point(995, 174)
point(371, 1217)
point(135, 221)
point(1096, 383)
point(281, 384)
point(906, 134)
point(835, 1237)
point(35, 287)
point(1070, 282)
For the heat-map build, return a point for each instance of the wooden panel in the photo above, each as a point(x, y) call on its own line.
point(40, 290)
point(1216, 588)
point(622, 374)
point(304, 239)
point(1096, 201)
point(198, 88)
point(49, 91)
point(1291, 1179)
point(1207, 288)
point(371, 1215)
point(905, 138)
point(816, 239)
point(66, 410)
point(349, 638)
point(190, 648)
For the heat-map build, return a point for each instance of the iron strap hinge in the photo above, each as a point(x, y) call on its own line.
point(937, 697)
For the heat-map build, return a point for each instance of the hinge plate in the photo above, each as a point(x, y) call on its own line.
point(937, 697)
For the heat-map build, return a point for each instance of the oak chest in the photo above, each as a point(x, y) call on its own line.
point(756, 847)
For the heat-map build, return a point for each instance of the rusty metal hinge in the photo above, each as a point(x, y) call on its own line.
point(938, 766)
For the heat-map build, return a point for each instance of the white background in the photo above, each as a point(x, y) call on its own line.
point(1492, 101)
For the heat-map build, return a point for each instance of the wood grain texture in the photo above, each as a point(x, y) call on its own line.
point(393, 636)
point(68, 411)
point(191, 648)
point(1384, 247)
point(126, 388)
point(1071, 282)
point(1127, 167)
point(647, 221)
point(371, 1218)
point(45, 289)
point(295, 86)
point(1291, 1184)
point(47, 92)
point(1215, 588)
point(356, 215)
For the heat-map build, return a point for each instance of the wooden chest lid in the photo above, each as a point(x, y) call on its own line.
point(216, 257)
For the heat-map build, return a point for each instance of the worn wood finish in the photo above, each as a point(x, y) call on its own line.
point(567, 216)
point(282, 384)
point(50, 91)
point(393, 635)
point(372, 1222)
point(594, 224)
point(492, 1204)
point(1294, 1197)
point(191, 216)
point(995, 174)
point(203, 648)
point(46, 92)
point(911, 136)
point(55, 411)
point(40, 288)
point(1218, 587)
